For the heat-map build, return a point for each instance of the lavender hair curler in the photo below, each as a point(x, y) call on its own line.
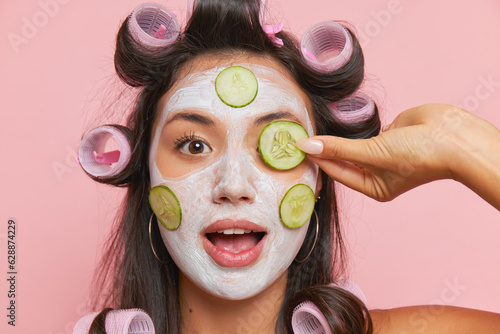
point(355, 108)
point(153, 25)
point(326, 46)
point(308, 319)
point(129, 321)
point(93, 158)
point(352, 287)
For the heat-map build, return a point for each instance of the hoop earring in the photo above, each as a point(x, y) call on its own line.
point(151, 240)
point(315, 239)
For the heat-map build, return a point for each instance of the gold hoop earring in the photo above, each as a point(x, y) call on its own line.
point(151, 240)
point(315, 239)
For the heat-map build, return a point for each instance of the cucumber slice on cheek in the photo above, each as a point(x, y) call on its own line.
point(297, 205)
point(165, 206)
point(236, 86)
point(277, 144)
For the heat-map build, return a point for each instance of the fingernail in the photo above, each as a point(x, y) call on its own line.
point(310, 146)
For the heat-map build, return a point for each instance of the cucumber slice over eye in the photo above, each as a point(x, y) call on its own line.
point(165, 206)
point(236, 86)
point(277, 144)
point(297, 205)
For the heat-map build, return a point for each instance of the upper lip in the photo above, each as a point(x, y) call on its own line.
point(226, 224)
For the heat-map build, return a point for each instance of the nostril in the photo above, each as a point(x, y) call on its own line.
point(234, 199)
point(233, 186)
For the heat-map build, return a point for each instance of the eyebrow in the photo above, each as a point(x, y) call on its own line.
point(275, 116)
point(192, 117)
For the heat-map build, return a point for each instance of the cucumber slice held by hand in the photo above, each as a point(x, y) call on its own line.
point(165, 206)
point(277, 144)
point(297, 205)
point(236, 86)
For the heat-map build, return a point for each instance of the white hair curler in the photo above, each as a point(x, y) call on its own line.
point(326, 46)
point(129, 321)
point(153, 25)
point(308, 319)
point(355, 108)
point(93, 158)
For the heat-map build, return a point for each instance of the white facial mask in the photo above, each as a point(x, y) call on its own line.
point(233, 187)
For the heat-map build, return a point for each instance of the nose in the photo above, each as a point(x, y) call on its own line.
point(234, 180)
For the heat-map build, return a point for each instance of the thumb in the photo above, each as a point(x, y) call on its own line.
point(330, 147)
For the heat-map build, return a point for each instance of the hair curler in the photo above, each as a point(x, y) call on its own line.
point(355, 108)
point(352, 287)
point(263, 12)
point(93, 158)
point(326, 46)
point(190, 7)
point(308, 319)
point(153, 25)
point(129, 321)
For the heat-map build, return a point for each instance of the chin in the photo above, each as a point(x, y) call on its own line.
point(237, 282)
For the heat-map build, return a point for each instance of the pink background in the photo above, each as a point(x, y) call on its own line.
point(406, 252)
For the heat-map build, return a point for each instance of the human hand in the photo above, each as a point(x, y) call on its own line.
point(423, 144)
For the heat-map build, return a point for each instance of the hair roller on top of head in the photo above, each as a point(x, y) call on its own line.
point(308, 319)
point(153, 25)
point(326, 46)
point(92, 153)
point(353, 109)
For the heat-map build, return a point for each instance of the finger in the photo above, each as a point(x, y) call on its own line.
point(344, 172)
point(330, 147)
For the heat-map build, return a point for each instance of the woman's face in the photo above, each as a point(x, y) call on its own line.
point(231, 242)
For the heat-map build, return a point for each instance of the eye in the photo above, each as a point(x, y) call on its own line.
point(195, 147)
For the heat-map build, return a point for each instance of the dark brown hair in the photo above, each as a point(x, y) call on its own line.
point(129, 275)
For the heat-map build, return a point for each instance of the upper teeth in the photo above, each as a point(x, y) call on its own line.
point(234, 231)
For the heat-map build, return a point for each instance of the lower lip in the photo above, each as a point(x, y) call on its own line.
point(228, 259)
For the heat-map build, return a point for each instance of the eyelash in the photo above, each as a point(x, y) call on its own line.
point(186, 138)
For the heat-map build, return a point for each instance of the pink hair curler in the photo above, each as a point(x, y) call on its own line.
point(91, 153)
point(191, 5)
point(308, 319)
point(356, 108)
point(130, 321)
point(326, 46)
point(270, 29)
point(352, 287)
point(153, 25)
point(263, 11)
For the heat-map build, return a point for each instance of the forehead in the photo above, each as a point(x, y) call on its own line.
point(195, 91)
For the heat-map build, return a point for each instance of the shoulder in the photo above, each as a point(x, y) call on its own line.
point(434, 319)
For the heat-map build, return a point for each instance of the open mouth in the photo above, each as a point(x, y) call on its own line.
point(235, 240)
point(234, 246)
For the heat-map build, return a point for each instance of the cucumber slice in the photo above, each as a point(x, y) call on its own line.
point(236, 86)
point(165, 206)
point(297, 205)
point(277, 144)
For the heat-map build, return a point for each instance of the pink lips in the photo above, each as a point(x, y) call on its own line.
point(227, 258)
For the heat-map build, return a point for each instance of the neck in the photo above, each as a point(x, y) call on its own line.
point(204, 313)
